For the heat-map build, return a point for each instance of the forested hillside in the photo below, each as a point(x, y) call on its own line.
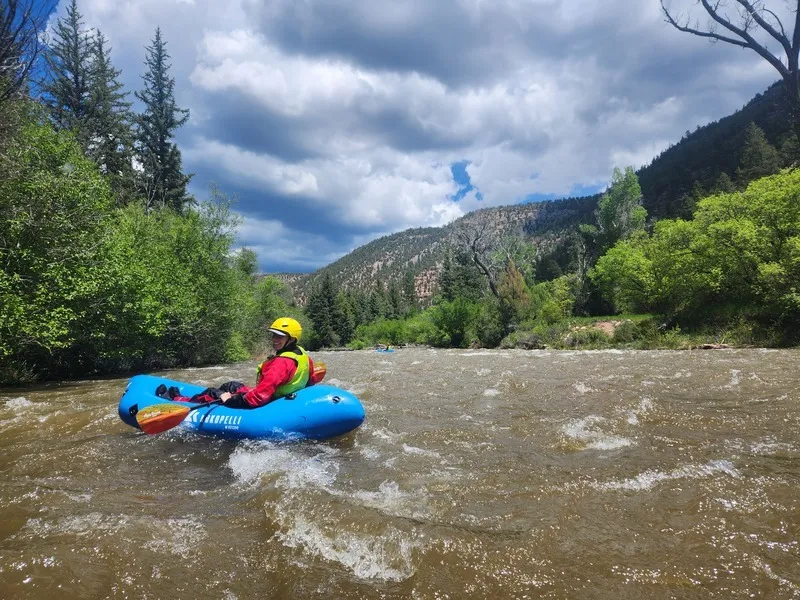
point(419, 252)
point(708, 159)
point(669, 183)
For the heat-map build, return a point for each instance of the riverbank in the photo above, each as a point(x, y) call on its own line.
point(639, 332)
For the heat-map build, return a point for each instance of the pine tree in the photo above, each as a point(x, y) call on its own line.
point(162, 178)
point(395, 301)
point(759, 158)
point(111, 134)
point(347, 326)
point(723, 185)
point(67, 92)
point(446, 277)
point(410, 291)
point(325, 311)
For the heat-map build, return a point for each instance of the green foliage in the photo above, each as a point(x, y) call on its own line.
point(711, 150)
point(740, 255)
point(55, 209)
point(758, 157)
point(67, 92)
point(176, 294)
point(111, 145)
point(459, 277)
point(163, 182)
point(619, 212)
point(327, 311)
point(382, 331)
point(455, 322)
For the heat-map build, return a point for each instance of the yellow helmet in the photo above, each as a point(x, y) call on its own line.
point(287, 326)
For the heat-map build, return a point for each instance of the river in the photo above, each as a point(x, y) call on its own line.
point(477, 474)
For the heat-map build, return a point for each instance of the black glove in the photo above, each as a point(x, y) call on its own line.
point(237, 401)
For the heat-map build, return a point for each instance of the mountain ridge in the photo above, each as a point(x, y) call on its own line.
point(668, 184)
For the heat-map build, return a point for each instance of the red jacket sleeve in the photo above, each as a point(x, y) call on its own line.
point(276, 372)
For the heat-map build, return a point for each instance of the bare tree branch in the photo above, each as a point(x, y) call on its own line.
point(474, 239)
point(753, 16)
point(21, 22)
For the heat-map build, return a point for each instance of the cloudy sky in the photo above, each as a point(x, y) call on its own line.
point(334, 122)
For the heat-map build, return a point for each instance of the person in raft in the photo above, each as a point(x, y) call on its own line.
point(289, 370)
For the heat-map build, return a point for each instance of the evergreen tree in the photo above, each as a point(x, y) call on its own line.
point(162, 179)
point(378, 303)
point(395, 301)
point(347, 326)
point(446, 278)
point(469, 283)
point(759, 158)
point(111, 135)
point(325, 311)
point(410, 291)
point(723, 185)
point(67, 92)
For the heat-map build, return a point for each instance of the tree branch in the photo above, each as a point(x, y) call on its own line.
point(781, 38)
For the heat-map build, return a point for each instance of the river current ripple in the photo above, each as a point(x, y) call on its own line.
point(477, 474)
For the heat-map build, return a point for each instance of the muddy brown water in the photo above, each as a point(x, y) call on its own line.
point(477, 474)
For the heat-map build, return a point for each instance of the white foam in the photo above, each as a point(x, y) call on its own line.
point(386, 557)
point(649, 479)
point(180, 537)
point(582, 388)
point(20, 402)
point(420, 451)
point(390, 499)
point(734, 378)
point(586, 430)
point(294, 470)
point(385, 435)
point(90, 525)
point(491, 392)
point(767, 570)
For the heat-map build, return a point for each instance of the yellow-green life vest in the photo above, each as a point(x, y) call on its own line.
point(301, 375)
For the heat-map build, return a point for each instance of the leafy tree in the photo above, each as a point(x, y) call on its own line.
point(162, 178)
point(455, 321)
point(620, 212)
point(111, 145)
point(175, 296)
point(67, 92)
point(54, 209)
point(759, 158)
point(738, 256)
point(514, 297)
point(246, 262)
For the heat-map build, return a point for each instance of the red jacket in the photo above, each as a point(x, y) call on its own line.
point(274, 374)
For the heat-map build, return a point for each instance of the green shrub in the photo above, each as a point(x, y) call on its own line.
point(624, 333)
point(587, 338)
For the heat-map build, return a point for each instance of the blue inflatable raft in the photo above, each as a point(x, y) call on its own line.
point(316, 412)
